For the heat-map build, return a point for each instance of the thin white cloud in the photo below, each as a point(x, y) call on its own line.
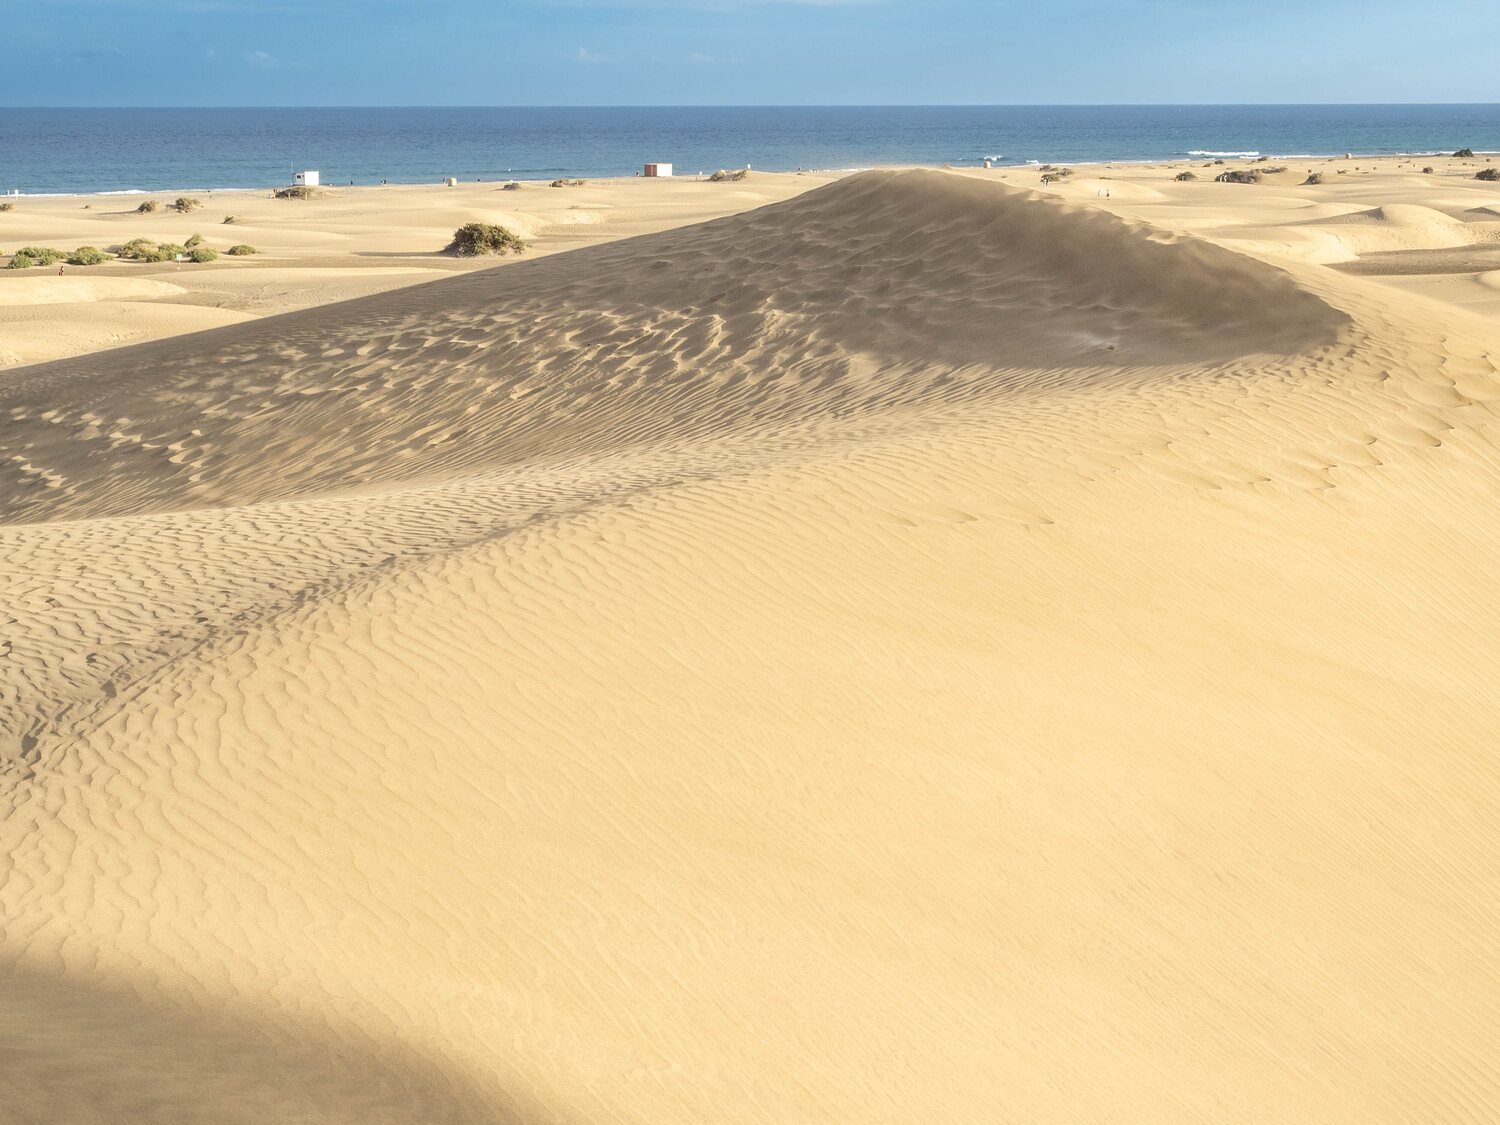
point(260, 58)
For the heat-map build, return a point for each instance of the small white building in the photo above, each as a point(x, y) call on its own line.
point(304, 179)
point(658, 171)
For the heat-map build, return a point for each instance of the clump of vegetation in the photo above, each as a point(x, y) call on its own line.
point(28, 256)
point(1184, 177)
point(1464, 154)
point(203, 254)
point(87, 256)
point(240, 250)
point(147, 207)
point(512, 186)
point(230, 219)
point(298, 191)
point(1272, 171)
point(723, 177)
point(148, 250)
point(567, 183)
point(1490, 175)
point(1240, 176)
point(1429, 170)
point(7, 206)
point(1218, 162)
point(193, 241)
point(186, 203)
point(1314, 178)
point(473, 239)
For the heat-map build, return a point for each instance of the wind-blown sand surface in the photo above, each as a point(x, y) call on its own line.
point(921, 650)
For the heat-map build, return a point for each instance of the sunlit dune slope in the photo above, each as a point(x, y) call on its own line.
point(917, 652)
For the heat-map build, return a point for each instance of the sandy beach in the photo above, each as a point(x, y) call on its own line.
point(907, 646)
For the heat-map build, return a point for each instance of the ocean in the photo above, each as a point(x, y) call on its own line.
point(46, 151)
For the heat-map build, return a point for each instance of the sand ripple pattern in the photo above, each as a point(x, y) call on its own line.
point(917, 652)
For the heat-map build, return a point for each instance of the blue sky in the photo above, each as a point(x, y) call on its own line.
point(706, 52)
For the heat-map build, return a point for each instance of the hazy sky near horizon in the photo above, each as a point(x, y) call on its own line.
point(706, 52)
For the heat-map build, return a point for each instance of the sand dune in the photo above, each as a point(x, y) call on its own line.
point(916, 651)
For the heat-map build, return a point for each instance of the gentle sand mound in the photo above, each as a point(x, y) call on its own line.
point(56, 290)
point(787, 670)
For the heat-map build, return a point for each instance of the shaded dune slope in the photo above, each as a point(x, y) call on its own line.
point(902, 654)
point(863, 295)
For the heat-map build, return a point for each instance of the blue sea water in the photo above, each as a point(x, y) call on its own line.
point(94, 150)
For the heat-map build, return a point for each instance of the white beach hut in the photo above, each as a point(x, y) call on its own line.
point(658, 171)
point(304, 179)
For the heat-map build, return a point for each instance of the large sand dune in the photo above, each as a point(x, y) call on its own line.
point(915, 652)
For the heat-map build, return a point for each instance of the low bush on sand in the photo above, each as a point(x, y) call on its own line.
point(1490, 175)
point(474, 239)
point(147, 207)
point(195, 240)
point(186, 203)
point(7, 206)
point(567, 183)
point(512, 186)
point(87, 256)
point(240, 250)
point(1314, 178)
point(203, 254)
point(723, 177)
point(1240, 176)
point(148, 250)
point(298, 191)
point(1184, 177)
point(28, 256)
point(230, 219)
point(1429, 170)
point(1464, 154)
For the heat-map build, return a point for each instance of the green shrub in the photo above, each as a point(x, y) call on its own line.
point(1240, 176)
point(203, 254)
point(186, 203)
point(87, 256)
point(298, 191)
point(512, 186)
point(148, 207)
point(240, 250)
point(193, 241)
point(137, 250)
point(1184, 177)
point(146, 250)
point(473, 239)
point(21, 262)
point(39, 255)
point(1314, 178)
point(723, 177)
point(1490, 175)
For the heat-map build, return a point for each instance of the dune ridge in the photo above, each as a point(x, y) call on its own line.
point(911, 650)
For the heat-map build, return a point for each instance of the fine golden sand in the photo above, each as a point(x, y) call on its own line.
point(920, 650)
